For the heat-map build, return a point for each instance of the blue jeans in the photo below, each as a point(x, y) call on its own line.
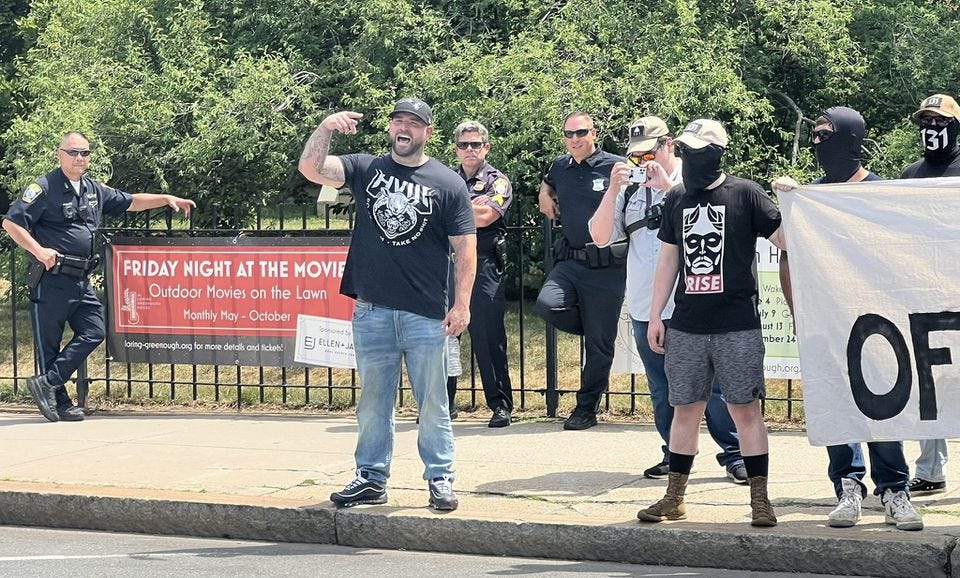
point(383, 338)
point(888, 468)
point(719, 423)
point(932, 463)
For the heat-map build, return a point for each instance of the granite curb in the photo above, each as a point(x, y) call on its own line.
point(730, 546)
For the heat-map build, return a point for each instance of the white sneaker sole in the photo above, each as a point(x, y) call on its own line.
point(909, 526)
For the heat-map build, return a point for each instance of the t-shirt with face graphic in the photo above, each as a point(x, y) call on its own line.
point(716, 232)
point(400, 251)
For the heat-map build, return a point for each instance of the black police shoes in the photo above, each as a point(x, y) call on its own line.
point(44, 396)
point(70, 413)
point(501, 418)
point(579, 420)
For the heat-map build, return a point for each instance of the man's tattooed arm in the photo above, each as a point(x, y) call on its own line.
point(315, 164)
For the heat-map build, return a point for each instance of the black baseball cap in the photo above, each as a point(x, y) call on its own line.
point(414, 106)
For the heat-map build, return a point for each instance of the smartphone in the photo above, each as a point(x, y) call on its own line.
point(638, 175)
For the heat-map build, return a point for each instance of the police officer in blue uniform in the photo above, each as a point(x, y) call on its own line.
point(584, 291)
point(491, 195)
point(54, 220)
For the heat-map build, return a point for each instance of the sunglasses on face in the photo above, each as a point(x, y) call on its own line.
point(821, 135)
point(475, 145)
point(638, 158)
point(75, 152)
point(579, 133)
point(934, 120)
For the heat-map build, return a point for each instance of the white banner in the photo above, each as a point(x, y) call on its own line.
point(781, 360)
point(875, 268)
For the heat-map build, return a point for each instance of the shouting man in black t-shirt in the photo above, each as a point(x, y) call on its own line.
point(709, 232)
point(410, 210)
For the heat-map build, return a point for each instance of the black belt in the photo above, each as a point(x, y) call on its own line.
point(71, 266)
point(576, 254)
point(594, 257)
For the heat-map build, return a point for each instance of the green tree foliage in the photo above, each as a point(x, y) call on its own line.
point(168, 107)
point(11, 45)
point(214, 99)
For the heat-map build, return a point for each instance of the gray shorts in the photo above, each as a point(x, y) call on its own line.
point(735, 358)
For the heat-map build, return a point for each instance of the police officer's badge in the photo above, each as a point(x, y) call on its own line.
point(31, 193)
point(598, 185)
point(479, 186)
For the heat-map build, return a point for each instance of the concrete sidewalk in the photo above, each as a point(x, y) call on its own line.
point(531, 489)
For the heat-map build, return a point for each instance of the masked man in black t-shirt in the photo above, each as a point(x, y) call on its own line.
point(710, 226)
point(939, 121)
point(837, 143)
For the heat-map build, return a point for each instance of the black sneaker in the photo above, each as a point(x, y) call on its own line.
point(580, 420)
point(657, 472)
point(441, 494)
point(360, 491)
point(919, 486)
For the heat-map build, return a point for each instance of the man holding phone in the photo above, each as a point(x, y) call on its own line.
point(631, 207)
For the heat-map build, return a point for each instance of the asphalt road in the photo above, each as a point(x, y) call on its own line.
point(26, 552)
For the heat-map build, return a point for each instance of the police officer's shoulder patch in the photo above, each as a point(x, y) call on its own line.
point(31, 193)
point(500, 186)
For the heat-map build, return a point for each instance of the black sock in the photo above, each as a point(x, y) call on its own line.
point(681, 463)
point(757, 465)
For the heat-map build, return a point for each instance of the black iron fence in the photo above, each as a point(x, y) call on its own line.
point(544, 364)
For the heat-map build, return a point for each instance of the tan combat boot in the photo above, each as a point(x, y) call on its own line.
point(759, 503)
point(671, 507)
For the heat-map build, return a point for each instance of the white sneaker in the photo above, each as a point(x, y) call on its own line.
point(900, 511)
point(847, 512)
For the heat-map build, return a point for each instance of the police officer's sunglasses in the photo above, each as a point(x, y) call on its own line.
point(579, 133)
point(475, 145)
point(75, 152)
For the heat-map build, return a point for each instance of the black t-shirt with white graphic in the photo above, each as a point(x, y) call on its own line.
point(399, 251)
point(716, 232)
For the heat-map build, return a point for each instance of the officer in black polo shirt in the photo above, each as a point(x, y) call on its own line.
point(491, 195)
point(584, 291)
point(54, 220)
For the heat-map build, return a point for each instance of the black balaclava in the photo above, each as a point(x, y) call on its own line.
point(700, 166)
point(940, 142)
point(839, 157)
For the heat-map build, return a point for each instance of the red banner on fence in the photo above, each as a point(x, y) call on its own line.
point(209, 296)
